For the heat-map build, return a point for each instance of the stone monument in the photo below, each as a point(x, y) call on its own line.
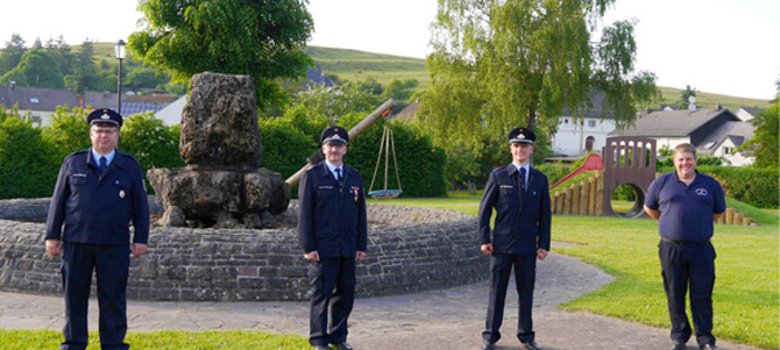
point(222, 185)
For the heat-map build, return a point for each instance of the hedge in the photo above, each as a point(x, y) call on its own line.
point(757, 187)
point(28, 164)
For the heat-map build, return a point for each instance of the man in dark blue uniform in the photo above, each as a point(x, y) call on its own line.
point(685, 203)
point(521, 199)
point(332, 231)
point(98, 192)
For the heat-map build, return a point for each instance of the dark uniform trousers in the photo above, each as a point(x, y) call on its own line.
point(332, 283)
point(525, 275)
point(111, 263)
point(685, 264)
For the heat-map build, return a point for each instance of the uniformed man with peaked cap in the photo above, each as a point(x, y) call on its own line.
point(332, 230)
point(99, 191)
point(519, 194)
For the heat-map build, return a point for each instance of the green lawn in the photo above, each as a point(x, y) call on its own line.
point(173, 340)
point(747, 267)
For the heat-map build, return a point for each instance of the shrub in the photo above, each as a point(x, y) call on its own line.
point(28, 165)
point(757, 187)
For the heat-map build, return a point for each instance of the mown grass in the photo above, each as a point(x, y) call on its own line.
point(746, 289)
point(164, 340)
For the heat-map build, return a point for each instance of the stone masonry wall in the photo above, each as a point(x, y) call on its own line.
point(409, 249)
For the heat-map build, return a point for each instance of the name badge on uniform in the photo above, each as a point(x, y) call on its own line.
point(78, 175)
point(326, 187)
point(121, 193)
point(507, 186)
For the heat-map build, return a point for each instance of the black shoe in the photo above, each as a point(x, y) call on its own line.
point(678, 345)
point(343, 346)
point(531, 345)
point(320, 347)
point(488, 345)
point(709, 347)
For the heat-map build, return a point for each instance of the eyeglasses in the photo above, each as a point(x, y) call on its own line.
point(106, 131)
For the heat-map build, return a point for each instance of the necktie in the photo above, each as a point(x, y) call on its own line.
point(102, 166)
point(521, 180)
point(338, 174)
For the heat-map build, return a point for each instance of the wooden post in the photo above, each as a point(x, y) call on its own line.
point(600, 193)
point(567, 202)
point(745, 221)
point(584, 198)
point(593, 196)
point(729, 216)
point(575, 199)
point(558, 203)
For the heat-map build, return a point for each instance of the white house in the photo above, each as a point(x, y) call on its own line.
point(715, 132)
point(576, 136)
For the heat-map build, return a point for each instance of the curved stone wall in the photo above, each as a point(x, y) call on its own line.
point(409, 249)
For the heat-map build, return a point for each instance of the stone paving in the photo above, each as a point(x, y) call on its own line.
point(441, 319)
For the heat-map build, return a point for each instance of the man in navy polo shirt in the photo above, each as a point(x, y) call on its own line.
point(685, 203)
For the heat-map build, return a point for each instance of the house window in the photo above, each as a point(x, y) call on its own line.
point(34, 100)
point(35, 120)
point(589, 143)
point(726, 150)
point(591, 123)
point(566, 120)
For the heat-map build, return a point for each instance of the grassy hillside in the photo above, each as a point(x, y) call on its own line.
point(359, 65)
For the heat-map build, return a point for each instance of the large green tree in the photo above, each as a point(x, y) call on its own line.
point(500, 64)
point(38, 68)
point(85, 75)
point(765, 143)
point(261, 38)
point(12, 53)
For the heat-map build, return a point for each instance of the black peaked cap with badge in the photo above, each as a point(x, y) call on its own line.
point(105, 116)
point(335, 134)
point(522, 135)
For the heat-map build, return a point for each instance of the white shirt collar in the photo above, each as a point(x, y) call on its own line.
point(332, 167)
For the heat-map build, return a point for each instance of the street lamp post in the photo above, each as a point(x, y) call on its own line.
point(119, 52)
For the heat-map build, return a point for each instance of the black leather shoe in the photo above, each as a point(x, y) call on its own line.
point(532, 345)
point(709, 347)
point(488, 345)
point(678, 345)
point(343, 346)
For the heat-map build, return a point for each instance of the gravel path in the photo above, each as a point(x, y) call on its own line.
point(449, 319)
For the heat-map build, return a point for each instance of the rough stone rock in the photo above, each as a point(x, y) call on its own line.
point(218, 198)
point(219, 123)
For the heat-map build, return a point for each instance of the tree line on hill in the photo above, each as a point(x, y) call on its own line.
point(57, 65)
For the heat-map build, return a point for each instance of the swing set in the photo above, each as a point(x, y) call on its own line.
point(387, 144)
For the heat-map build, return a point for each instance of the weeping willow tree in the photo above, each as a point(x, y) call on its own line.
point(497, 65)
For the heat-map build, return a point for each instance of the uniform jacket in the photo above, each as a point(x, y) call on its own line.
point(98, 210)
point(521, 226)
point(331, 216)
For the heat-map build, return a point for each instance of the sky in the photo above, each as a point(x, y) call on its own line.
point(719, 46)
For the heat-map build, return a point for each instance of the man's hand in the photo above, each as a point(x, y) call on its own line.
point(360, 255)
point(486, 249)
point(312, 256)
point(541, 254)
point(138, 249)
point(53, 247)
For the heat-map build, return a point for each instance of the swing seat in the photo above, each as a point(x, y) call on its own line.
point(385, 194)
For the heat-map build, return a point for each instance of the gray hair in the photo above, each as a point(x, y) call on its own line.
point(685, 147)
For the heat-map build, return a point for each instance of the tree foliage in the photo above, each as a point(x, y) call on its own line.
point(765, 143)
point(38, 68)
point(497, 65)
point(12, 53)
point(151, 142)
point(85, 75)
point(27, 167)
point(68, 131)
point(263, 39)
point(685, 95)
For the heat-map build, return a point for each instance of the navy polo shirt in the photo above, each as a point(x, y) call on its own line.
point(686, 211)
